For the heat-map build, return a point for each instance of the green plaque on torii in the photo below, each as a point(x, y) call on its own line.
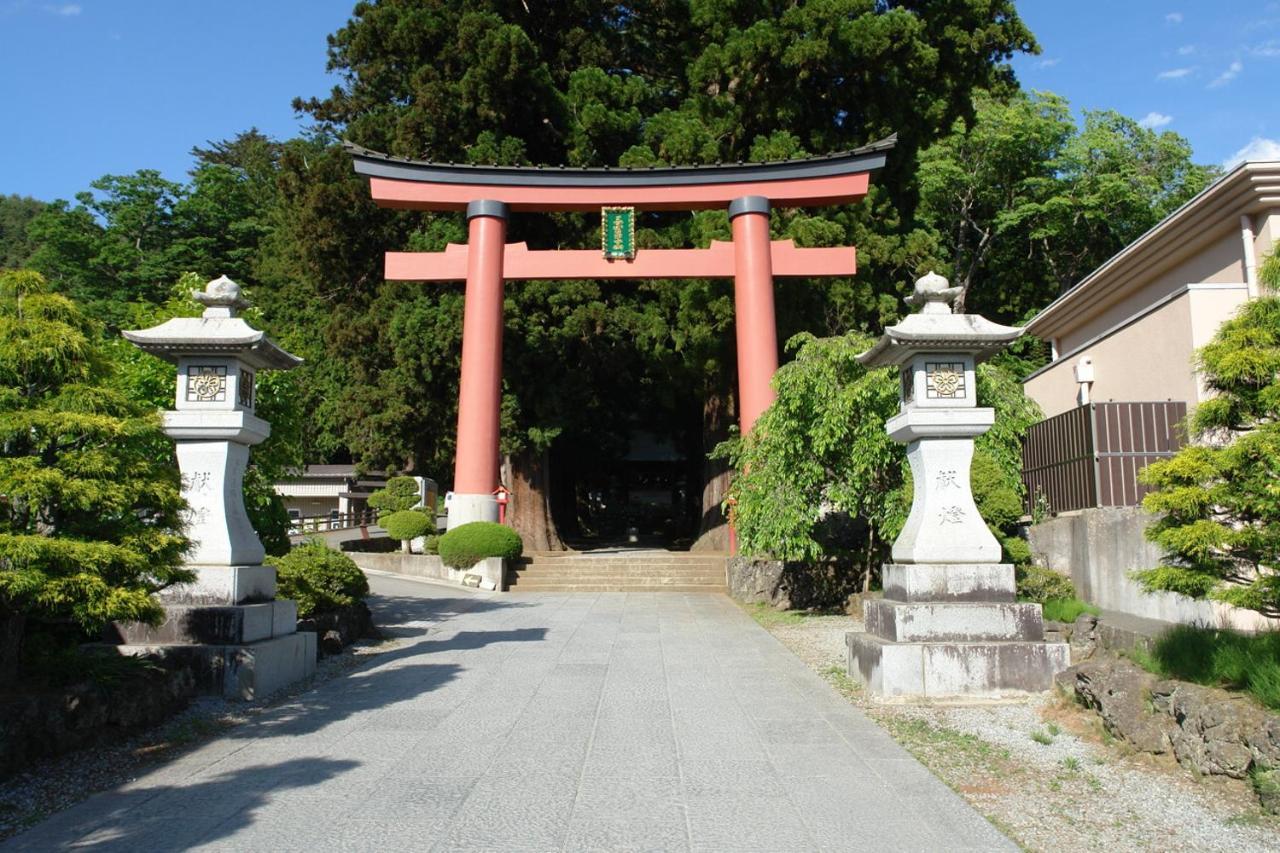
point(618, 232)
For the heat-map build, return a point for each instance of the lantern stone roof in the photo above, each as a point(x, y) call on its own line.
point(218, 332)
point(379, 165)
point(936, 330)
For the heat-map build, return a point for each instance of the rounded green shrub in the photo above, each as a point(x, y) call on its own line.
point(318, 578)
point(406, 524)
point(1036, 583)
point(464, 546)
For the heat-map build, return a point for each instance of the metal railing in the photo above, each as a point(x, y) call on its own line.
point(1090, 456)
point(333, 521)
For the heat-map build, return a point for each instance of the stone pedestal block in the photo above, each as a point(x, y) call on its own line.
point(949, 621)
point(188, 624)
point(228, 585)
point(949, 582)
point(952, 670)
point(250, 671)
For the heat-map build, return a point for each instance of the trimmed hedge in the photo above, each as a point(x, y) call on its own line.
point(319, 579)
point(464, 546)
point(407, 524)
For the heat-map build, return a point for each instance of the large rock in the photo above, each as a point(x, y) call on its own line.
point(1119, 691)
point(1218, 733)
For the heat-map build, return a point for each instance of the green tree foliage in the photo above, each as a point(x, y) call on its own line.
point(467, 544)
point(130, 237)
point(16, 212)
point(89, 523)
point(1217, 505)
point(400, 493)
point(318, 578)
point(1022, 203)
point(821, 450)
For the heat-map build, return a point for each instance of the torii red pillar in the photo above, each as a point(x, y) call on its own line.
point(757, 329)
point(475, 473)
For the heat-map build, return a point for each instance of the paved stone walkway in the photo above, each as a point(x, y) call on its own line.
point(659, 721)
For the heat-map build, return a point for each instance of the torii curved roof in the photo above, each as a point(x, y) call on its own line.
point(811, 181)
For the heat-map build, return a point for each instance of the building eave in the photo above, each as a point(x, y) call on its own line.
point(1250, 188)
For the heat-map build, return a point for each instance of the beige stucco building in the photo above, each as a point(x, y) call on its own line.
point(1141, 316)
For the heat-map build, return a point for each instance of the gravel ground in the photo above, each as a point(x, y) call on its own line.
point(1069, 787)
point(54, 784)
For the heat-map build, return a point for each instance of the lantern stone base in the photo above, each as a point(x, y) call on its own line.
point(950, 670)
point(242, 671)
point(952, 631)
point(211, 625)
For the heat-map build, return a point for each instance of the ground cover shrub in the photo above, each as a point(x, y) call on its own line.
point(319, 579)
point(1216, 658)
point(1039, 584)
point(1067, 609)
point(407, 525)
point(465, 545)
point(431, 545)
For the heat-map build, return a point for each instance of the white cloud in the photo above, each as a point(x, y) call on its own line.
point(66, 10)
point(1152, 120)
point(1268, 49)
point(1173, 18)
point(1258, 148)
point(1048, 63)
point(1174, 73)
point(1186, 50)
point(1233, 71)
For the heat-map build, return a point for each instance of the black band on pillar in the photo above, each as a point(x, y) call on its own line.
point(749, 204)
point(489, 207)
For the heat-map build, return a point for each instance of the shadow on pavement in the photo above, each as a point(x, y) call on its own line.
point(177, 817)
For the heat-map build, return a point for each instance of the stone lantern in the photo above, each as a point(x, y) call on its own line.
point(247, 637)
point(949, 624)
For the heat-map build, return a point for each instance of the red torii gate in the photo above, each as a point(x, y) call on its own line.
point(489, 194)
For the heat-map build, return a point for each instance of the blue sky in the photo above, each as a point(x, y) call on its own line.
point(111, 86)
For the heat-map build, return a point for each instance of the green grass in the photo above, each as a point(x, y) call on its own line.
point(768, 617)
point(1042, 737)
point(1246, 662)
point(1067, 609)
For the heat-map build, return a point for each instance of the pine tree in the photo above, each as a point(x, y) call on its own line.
point(89, 519)
point(1217, 500)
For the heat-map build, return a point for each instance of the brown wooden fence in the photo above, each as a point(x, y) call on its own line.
point(1091, 455)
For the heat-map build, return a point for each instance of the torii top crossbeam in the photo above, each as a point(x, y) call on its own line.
point(489, 194)
point(807, 182)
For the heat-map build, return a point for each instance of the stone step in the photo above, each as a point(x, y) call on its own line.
point(579, 571)
point(666, 564)
point(605, 579)
point(720, 588)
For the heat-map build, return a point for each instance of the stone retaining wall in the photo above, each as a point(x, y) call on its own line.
point(430, 566)
point(55, 722)
point(1098, 548)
